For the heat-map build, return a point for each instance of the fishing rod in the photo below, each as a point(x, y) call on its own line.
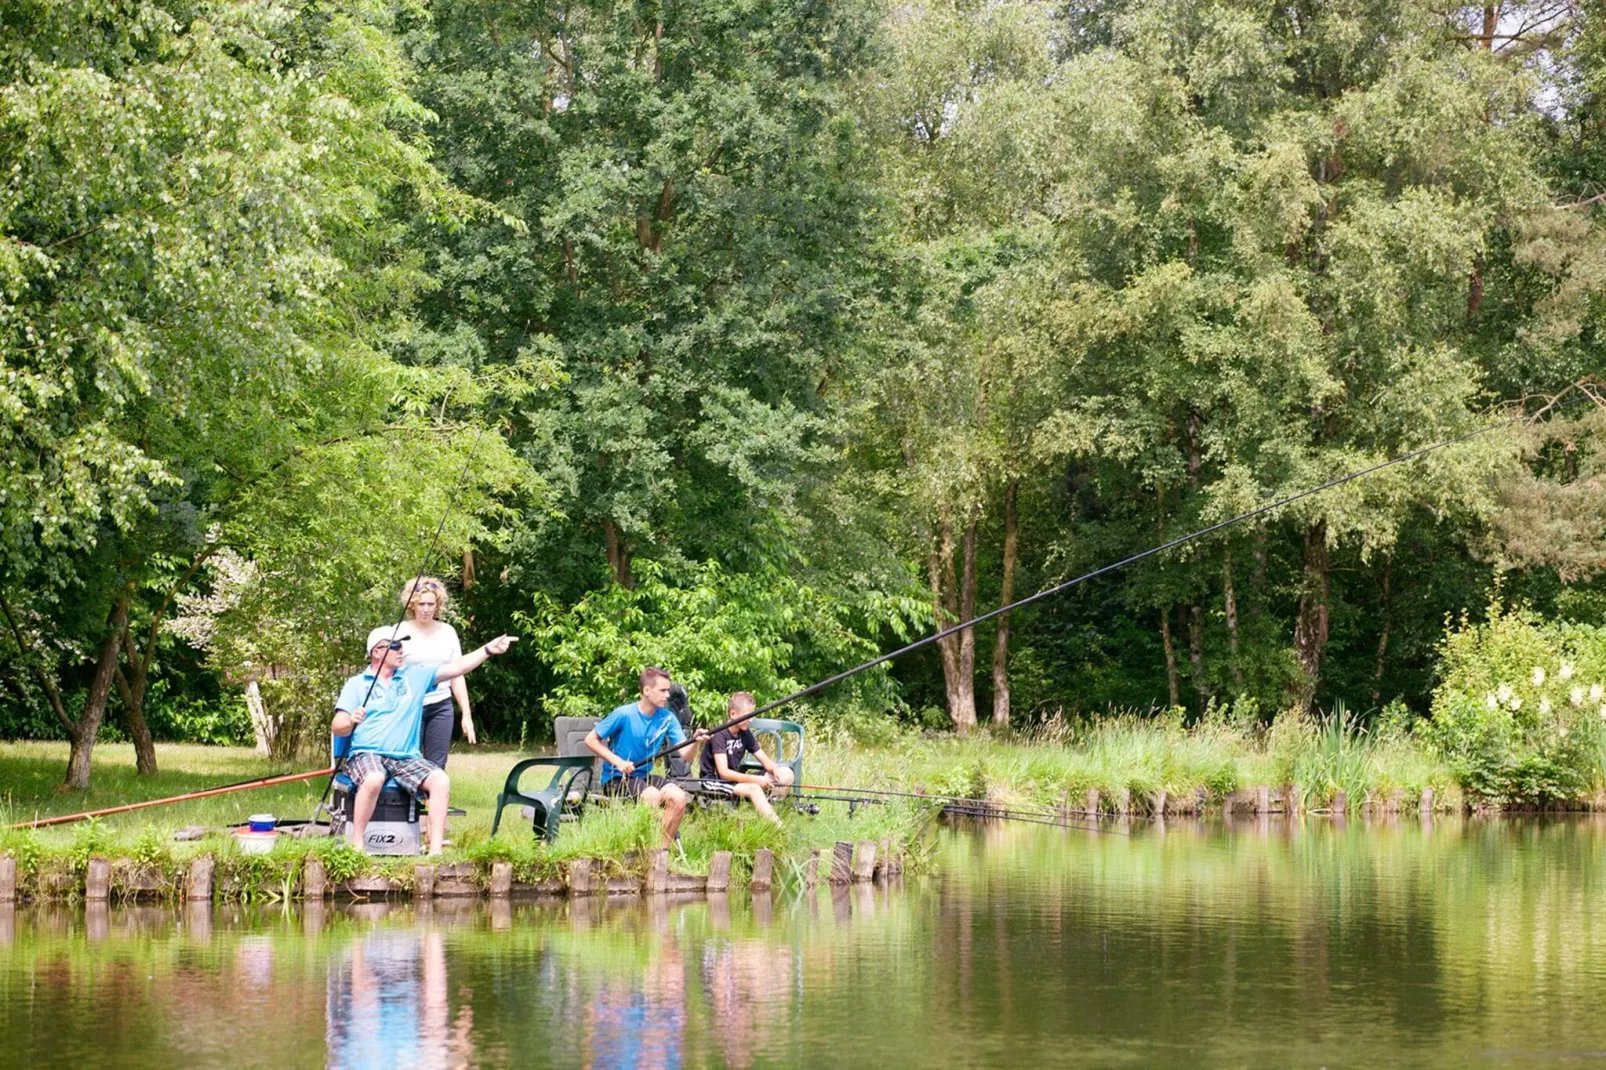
point(1038, 809)
point(1006, 814)
point(261, 782)
point(332, 770)
point(925, 795)
point(412, 592)
point(1171, 544)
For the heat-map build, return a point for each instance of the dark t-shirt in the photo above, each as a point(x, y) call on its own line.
point(733, 744)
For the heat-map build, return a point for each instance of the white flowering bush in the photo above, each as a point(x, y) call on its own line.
point(1520, 713)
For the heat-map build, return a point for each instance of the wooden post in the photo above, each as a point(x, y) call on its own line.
point(864, 861)
point(719, 872)
point(1262, 800)
point(97, 919)
point(502, 879)
point(1426, 807)
point(1340, 804)
point(200, 884)
point(1092, 803)
point(883, 860)
point(1158, 801)
point(811, 869)
point(315, 880)
point(1291, 800)
point(8, 878)
point(1229, 804)
point(501, 910)
point(1123, 801)
point(658, 870)
point(98, 881)
point(763, 869)
point(423, 883)
point(842, 862)
point(581, 873)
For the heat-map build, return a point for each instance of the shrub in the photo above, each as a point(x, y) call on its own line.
point(1518, 711)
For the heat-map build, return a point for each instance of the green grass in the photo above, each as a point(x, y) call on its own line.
point(620, 835)
point(1056, 763)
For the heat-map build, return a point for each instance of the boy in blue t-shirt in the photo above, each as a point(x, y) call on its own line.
point(632, 734)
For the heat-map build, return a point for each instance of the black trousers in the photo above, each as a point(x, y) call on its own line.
point(436, 738)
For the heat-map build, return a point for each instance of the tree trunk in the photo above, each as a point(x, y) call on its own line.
point(1201, 687)
point(962, 705)
point(46, 682)
point(954, 600)
point(1491, 22)
point(260, 725)
point(1310, 630)
point(618, 554)
point(1230, 605)
point(87, 726)
point(1172, 686)
point(138, 731)
point(468, 568)
point(132, 692)
point(1257, 583)
point(1005, 597)
point(1383, 640)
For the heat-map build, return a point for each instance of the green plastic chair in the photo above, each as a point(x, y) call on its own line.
point(788, 749)
point(571, 779)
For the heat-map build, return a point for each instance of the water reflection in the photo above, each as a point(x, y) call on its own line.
point(1261, 942)
point(388, 1004)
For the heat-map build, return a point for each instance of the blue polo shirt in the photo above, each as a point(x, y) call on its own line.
point(635, 737)
point(395, 710)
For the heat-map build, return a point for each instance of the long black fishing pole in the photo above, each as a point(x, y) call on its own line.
point(412, 592)
point(1180, 540)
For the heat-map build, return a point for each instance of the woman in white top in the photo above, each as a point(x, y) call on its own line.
point(431, 641)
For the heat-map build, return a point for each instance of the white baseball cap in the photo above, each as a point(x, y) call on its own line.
point(384, 633)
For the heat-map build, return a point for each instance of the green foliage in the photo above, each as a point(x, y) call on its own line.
point(25, 846)
point(716, 632)
point(340, 857)
point(1339, 758)
point(154, 847)
point(1518, 709)
point(90, 839)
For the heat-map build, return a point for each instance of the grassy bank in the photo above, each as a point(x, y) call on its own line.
point(52, 860)
point(1059, 762)
point(1132, 758)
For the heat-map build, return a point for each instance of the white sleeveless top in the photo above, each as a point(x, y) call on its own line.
point(437, 648)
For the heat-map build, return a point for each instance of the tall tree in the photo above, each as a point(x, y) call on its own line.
point(200, 211)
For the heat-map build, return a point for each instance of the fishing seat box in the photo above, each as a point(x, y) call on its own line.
point(393, 830)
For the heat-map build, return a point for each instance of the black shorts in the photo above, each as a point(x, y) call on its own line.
point(714, 787)
point(631, 787)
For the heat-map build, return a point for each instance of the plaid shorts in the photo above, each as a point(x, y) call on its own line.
point(410, 773)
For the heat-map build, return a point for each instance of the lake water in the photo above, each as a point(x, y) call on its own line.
point(1455, 943)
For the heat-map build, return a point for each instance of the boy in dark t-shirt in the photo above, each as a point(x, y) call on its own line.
point(722, 759)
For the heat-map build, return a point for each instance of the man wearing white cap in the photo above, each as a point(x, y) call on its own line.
point(382, 711)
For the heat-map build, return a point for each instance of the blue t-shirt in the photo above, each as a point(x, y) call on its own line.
point(635, 737)
point(395, 710)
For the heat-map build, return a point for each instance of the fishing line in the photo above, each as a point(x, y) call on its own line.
point(1172, 544)
point(412, 592)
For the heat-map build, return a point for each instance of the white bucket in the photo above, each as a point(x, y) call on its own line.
point(255, 843)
